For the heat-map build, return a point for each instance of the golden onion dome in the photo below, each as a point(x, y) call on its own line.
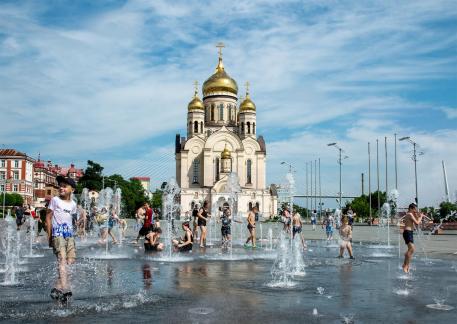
point(196, 102)
point(220, 81)
point(226, 153)
point(247, 104)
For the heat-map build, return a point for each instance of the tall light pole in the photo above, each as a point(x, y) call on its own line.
point(414, 158)
point(377, 174)
point(396, 177)
point(311, 181)
point(306, 188)
point(340, 162)
point(320, 191)
point(315, 185)
point(369, 178)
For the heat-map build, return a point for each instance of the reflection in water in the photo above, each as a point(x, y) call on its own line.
point(346, 284)
point(147, 276)
point(109, 275)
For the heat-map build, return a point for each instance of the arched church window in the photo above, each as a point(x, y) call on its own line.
point(216, 171)
point(249, 127)
point(196, 171)
point(213, 115)
point(195, 126)
point(201, 127)
point(257, 205)
point(250, 206)
point(230, 113)
point(248, 171)
point(221, 112)
point(242, 128)
point(253, 128)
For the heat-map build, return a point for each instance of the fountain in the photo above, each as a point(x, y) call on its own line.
point(171, 193)
point(32, 236)
point(11, 247)
point(270, 239)
point(289, 261)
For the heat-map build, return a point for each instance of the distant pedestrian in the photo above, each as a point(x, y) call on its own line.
point(314, 219)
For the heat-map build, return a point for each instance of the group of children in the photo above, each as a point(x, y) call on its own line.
point(60, 233)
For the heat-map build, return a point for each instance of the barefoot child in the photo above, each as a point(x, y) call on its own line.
point(412, 218)
point(185, 243)
point(60, 234)
point(297, 225)
point(251, 227)
point(346, 237)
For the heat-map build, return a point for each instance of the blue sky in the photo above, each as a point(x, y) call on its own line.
point(110, 81)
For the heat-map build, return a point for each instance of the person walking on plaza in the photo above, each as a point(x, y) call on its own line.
point(314, 219)
point(203, 216)
point(251, 227)
point(412, 219)
point(60, 235)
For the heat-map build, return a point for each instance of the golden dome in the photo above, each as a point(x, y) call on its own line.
point(247, 104)
point(226, 153)
point(196, 102)
point(220, 81)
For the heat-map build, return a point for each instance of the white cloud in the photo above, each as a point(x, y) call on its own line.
point(122, 78)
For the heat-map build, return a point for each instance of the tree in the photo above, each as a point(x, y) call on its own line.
point(360, 206)
point(12, 199)
point(446, 209)
point(157, 199)
point(92, 178)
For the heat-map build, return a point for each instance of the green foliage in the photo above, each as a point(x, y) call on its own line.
point(92, 178)
point(12, 199)
point(361, 205)
point(133, 194)
point(157, 199)
point(301, 210)
point(446, 208)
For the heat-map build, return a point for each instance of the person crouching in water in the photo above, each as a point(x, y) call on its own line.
point(346, 238)
point(60, 234)
point(184, 244)
point(151, 241)
point(297, 225)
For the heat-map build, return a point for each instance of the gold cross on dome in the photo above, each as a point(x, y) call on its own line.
point(247, 87)
point(220, 46)
point(196, 87)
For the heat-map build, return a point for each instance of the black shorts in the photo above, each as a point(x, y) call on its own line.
point(145, 230)
point(250, 227)
point(201, 222)
point(408, 236)
point(226, 230)
point(296, 229)
point(185, 248)
point(150, 248)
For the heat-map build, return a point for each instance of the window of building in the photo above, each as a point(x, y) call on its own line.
point(221, 112)
point(257, 205)
point(15, 187)
point(201, 127)
point(2, 175)
point(250, 206)
point(196, 173)
point(195, 126)
point(36, 185)
point(16, 175)
point(16, 163)
point(242, 128)
point(249, 127)
point(253, 128)
point(212, 112)
point(2, 188)
point(217, 169)
point(248, 171)
point(230, 112)
point(2, 163)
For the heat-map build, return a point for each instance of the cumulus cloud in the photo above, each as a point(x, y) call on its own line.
point(113, 84)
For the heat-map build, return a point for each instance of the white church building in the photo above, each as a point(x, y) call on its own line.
point(222, 138)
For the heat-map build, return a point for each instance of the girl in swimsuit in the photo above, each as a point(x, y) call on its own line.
point(202, 218)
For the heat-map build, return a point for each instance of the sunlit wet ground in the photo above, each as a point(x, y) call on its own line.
point(210, 285)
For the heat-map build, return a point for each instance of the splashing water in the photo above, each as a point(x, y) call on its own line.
point(172, 207)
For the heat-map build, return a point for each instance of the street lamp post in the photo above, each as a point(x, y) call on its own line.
point(414, 158)
point(340, 162)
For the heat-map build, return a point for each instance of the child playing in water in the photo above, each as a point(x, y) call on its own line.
point(185, 243)
point(412, 218)
point(60, 234)
point(346, 237)
point(297, 225)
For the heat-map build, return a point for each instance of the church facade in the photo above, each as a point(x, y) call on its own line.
point(222, 138)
